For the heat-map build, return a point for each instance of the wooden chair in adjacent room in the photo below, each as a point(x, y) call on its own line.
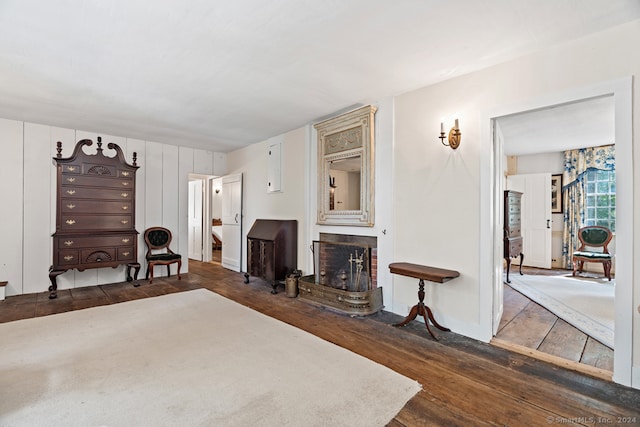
point(158, 240)
point(594, 240)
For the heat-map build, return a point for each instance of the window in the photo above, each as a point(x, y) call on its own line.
point(600, 193)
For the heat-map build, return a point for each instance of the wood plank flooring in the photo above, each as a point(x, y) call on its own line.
point(465, 382)
point(527, 324)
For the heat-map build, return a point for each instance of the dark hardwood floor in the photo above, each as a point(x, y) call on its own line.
point(216, 256)
point(465, 382)
point(531, 326)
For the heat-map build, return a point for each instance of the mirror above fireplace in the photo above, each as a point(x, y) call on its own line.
point(346, 169)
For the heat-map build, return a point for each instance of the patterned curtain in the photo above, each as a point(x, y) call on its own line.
point(576, 164)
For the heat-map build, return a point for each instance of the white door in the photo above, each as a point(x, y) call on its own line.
point(536, 217)
point(195, 220)
point(232, 221)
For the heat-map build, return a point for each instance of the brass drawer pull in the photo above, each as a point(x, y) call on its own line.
point(71, 179)
point(124, 194)
point(68, 258)
point(124, 221)
point(71, 206)
point(125, 240)
point(125, 183)
point(124, 208)
point(70, 221)
point(126, 253)
point(125, 173)
point(68, 243)
point(71, 168)
point(72, 192)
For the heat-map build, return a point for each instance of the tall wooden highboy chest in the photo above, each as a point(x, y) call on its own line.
point(95, 212)
point(512, 228)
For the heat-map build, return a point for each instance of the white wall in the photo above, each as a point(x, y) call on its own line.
point(437, 190)
point(257, 202)
point(28, 189)
point(552, 163)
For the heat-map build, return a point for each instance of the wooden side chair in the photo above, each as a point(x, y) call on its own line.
point(594, 240)
point(158, 240)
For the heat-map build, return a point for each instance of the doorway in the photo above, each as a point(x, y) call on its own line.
point(544, 310)
point(491, 275)
point(199, 217)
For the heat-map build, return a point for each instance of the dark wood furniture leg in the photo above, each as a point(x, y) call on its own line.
point(136, 270)
point(508, 259)
point(149, 272)
point(420, 309)
point(53, 289)
point(521, 262)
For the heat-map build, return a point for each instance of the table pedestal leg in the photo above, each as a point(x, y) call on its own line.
point(421, 309)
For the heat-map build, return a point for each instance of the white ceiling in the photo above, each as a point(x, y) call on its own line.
point(224, 74)
point(588, 123)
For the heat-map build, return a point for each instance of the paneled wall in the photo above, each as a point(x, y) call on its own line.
point(28, 194)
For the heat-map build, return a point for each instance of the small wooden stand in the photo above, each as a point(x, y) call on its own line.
point(422, 272)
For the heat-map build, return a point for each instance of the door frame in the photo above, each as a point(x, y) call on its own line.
point(491, 166)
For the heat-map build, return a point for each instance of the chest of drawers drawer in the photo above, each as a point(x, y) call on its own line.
point(96, 181)
point(514, 231)
point(71, 206)
point(513, 247)
point(78, 242)
point(514, 220)
point(73, 192)
point(97, 255)
point(70, 222)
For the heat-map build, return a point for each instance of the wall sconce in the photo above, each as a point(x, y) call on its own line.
point(217, 191)
point(332, 182)
point(454, 137)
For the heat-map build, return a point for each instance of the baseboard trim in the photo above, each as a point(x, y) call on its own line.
point(559, 361)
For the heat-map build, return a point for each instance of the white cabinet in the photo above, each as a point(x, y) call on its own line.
point(274, 167)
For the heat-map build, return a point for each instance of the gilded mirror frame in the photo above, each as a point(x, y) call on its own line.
point(346, 137)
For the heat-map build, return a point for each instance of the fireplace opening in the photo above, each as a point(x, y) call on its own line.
point(366, 241)
point(345, 266)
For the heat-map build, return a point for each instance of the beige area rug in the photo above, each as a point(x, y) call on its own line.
point(587, 304)
point(191, 359)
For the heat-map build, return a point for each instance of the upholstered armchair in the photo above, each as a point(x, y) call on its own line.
point(594, 241)
point(158, 240)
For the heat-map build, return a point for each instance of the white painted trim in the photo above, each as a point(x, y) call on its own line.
point(306, 264)
point(622, 91)
point(487, 261)
point(622, 361)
